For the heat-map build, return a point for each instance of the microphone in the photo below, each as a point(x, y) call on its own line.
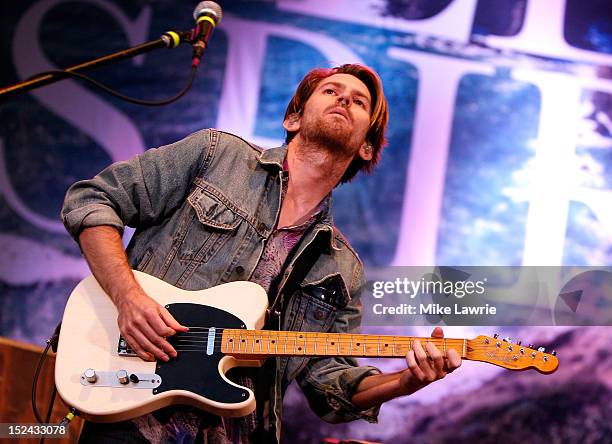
point(207, 16)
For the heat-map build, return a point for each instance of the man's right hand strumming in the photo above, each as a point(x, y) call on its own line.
point(143, 323)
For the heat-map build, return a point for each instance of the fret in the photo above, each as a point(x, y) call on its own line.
point(294, 343)
point(326, 344)
point(386, 351)
point(402, 346)
point(444, 347)
point(268, 335)
point(394, 346)
point(315, 344)
point(351, 351)
point(276, 342)
point(286, 338)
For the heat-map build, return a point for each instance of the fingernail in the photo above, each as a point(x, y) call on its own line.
point(165, 358)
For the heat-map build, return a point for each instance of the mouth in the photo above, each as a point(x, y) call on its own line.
point(341, 111)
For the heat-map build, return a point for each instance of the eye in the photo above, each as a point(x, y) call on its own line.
point(359, 102)
point(329, 91)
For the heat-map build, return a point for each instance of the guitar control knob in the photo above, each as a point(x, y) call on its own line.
point(90, 375)
point(123, 377)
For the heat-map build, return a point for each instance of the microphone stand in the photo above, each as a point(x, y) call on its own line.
point(170, 39)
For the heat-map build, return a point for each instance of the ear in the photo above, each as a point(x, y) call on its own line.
point(292, 123)
point(366, 152)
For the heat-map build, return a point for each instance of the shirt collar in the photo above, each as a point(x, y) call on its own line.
point(274, 158)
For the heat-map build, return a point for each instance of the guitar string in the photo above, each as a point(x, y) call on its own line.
point(400, 342)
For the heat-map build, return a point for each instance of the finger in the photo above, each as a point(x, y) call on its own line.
point(419, 353)
point(136, 348)
point(454, 361)
point(414, 366)
point(148, 345)
point(171, 322)
point(436, 358)
point(437, 333)
point(159, 326)
point(158, 340)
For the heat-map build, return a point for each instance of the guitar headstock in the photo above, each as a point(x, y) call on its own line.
point(504, 353)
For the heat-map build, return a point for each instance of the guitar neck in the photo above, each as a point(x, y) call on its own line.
point(245, 344)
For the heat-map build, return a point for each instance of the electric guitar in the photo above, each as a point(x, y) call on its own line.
point(97, 373)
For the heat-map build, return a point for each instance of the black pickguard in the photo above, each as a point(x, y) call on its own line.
point(198, 372)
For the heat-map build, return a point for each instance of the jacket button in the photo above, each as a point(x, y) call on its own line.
point(319, 314)
point(261, 226)
point(239, 269)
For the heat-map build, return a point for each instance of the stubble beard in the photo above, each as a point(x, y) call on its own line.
point(330, 135)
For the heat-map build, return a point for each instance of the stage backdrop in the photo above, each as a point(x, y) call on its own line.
point(500, 138)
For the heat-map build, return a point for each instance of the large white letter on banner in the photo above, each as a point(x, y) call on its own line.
point(553, 177)
point(542, 34)
point(437, 89)
point(109, 127)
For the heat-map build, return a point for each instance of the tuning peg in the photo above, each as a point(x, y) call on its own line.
point(496, 335)
point(554, 352)
point(508, 340)
point(530, 346)
point(519, 342)
point(541, 349)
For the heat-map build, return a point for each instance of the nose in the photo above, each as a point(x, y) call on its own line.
point(344, 99)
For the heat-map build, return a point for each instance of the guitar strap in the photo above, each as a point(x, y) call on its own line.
point(276, 295)
point(266, 373)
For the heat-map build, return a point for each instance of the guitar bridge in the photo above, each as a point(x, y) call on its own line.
point(124, 349)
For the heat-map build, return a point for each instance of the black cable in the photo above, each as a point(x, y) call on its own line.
point(35, 381)
point(49, 411)
point(114, 93)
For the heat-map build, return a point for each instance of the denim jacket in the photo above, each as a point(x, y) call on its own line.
point(203, 209)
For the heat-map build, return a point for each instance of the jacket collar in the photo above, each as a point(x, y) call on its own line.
point(274, 158)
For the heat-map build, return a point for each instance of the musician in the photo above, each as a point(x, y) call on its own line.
point(214, 208)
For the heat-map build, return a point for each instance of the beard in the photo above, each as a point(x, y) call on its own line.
point(332, 134)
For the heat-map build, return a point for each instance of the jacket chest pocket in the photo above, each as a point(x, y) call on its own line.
point(211, 223)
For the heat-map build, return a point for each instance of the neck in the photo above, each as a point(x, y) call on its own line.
point(314, 171)
point(249, 343)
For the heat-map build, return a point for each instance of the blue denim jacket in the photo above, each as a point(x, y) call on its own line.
point(203, 208)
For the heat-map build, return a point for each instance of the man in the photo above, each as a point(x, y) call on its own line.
point(211, 209)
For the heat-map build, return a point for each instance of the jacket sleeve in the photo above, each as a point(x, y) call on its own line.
point(139, 191)
point(329, 383)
